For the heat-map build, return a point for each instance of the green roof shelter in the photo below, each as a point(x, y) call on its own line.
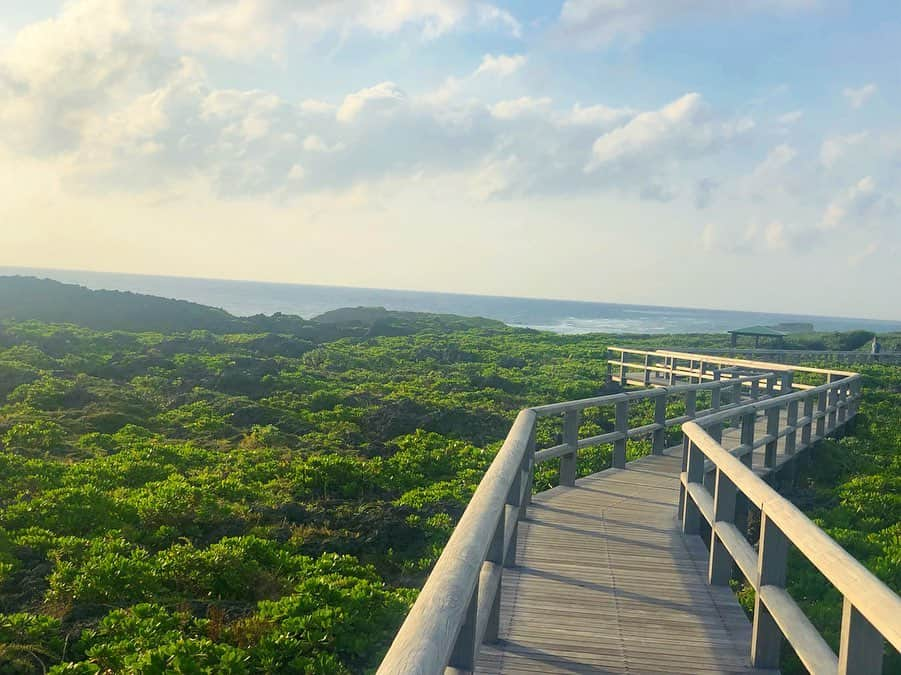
point(758, 332)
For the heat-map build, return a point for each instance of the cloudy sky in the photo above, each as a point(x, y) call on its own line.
point(741, 154)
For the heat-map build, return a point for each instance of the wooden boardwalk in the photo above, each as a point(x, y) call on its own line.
point(596, 575)
point(606, 582)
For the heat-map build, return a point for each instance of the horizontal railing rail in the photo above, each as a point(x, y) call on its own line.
point(459, 606)
point(798, 355)
point(718, 486)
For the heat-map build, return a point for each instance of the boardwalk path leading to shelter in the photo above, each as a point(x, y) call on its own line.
point(606, 582)
point(610, 574)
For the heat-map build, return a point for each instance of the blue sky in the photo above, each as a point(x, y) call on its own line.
point(736, 154)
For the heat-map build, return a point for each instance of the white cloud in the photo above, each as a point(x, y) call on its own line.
point(512, 109)
point(598, 115)
point(382, 98)
point(835, 148)
point(858, 97)
point(597, 23)
point(683, 128)
point(500, 65)
point(241, 29)
point(58, 75)
point(752, 237)
point(861, 205)
point(777, 158)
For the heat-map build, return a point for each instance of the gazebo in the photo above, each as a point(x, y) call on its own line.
point(758, 332)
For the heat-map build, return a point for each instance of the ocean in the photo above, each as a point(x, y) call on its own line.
point(244, 298)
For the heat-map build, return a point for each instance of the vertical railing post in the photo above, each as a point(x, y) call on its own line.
point(700, 372)
point(496, 555)
point(791, 439)
point(808, 413)
point(719, 570)
point(571, 421)
point(686, 442)
point(736, 399)
point(691, 516)
point(528, 474)
point(861, 645)
point(660, 419)
point(609, 370)
point(785, 385)
point(821, 412)
point(622, 369)
point(621, 426)
point(671, 364)
point(514, 499)
point(465, 649)
point(755, 389)
point(772, 428)
point(772, 558)
point(748, 427)
point(691, 403)
point(842, 410)
point(716, 430)
point(770, 385)
point(647, 373)
point(832, 399)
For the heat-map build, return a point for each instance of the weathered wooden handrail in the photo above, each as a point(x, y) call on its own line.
point(459, 606)
point(840, 356)
point(871, 610)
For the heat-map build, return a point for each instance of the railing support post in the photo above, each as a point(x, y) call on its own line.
point(766, 638)
point(691, 516)
point(622, 369)
point(770, 385)
point(647, 373)
point(772, 428)
point(719, 570)
point(806, 429)
point(571, 422)
point(785, 385)
point(821, 412)
point(832, 401)
point(621, 426)
point(842, 410)
point(861, 647)
point(528, 476)
point(514, 500)
point(791, 439)
point(465, 648)
point(691, 403)
point(496, 555)
point(660, 419)
point(748, 427)
point(716, 395)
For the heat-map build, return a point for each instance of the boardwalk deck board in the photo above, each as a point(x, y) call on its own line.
point(606, 582)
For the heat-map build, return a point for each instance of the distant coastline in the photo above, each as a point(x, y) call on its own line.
point(245, 298)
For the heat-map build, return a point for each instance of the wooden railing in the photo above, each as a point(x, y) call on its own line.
point(459, 606)
point(808, 355)
point(718, 486)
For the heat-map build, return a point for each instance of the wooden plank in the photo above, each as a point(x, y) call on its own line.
point(606, 583)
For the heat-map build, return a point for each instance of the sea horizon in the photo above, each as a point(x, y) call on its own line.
point(562, 316)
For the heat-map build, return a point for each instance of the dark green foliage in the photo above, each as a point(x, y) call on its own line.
point(264, 497)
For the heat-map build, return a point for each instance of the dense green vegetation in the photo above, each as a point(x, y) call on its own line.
point(268, 500)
